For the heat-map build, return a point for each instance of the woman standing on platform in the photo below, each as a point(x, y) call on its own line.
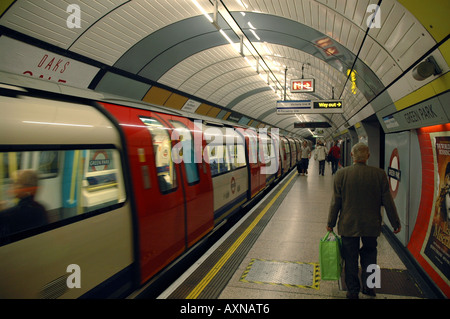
point(304, 162)
point(321, 155)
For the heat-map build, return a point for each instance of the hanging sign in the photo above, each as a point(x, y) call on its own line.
point(328, 106)
point(302, 86)
point(309, 107)
point(311, 124)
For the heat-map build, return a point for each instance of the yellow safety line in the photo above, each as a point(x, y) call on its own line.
point(213, 272)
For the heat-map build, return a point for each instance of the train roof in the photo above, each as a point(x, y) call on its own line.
point(32, 86)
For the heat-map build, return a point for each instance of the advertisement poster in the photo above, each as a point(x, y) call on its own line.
point(436, 248)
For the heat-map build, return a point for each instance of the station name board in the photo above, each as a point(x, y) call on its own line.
point(425, 113)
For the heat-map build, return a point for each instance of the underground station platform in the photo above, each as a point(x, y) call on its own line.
point(273, 252)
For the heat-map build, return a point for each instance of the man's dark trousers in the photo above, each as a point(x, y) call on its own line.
point(350, 253)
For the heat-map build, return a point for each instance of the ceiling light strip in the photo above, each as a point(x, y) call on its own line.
point(234, 26)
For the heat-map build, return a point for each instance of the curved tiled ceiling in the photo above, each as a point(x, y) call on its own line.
point(173, 43)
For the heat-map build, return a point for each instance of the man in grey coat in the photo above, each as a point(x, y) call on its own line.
point(359, 193)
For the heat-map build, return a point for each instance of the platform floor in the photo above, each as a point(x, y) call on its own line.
point(273, 253)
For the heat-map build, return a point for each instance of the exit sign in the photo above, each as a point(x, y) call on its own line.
point(302, 86)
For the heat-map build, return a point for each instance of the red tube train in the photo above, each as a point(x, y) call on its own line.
point(123, 188)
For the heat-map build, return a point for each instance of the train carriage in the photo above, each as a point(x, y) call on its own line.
point(169, 195)
point(127, 188)
point(79, 160)
point(225, 151)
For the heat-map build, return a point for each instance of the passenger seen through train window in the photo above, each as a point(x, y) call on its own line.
point(27, 213)
point(48, 186)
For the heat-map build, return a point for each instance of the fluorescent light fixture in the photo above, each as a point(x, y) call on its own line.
point(253, 66)
point(203, 11)
point(140, 126)
point(263, 78)
point(58, 124)
point(240, 2)
point(226, 36)
point(268, 51)
point(244, 43)
point(256, 36)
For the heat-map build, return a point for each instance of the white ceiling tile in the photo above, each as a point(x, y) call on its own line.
point(46, 20)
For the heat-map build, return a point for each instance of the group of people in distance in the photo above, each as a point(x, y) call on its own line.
point(321, 154)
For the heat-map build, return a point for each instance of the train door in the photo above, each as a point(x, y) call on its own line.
point(298, 145)
point(293, 152)
point(287, 156)
point(276, 154)
point(268, 168)
point(196, 179)
point(158, 196)
point(254, 164)
point(163, 222)
point(284, 166)
point(263, 159)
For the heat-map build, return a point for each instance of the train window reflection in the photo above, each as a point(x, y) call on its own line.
point(187, 151)
point(225, 158)
point(48, 186)
point(162, 148)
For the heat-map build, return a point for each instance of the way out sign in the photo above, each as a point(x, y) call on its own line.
point(328, 106)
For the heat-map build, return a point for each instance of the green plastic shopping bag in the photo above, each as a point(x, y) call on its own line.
point(330, 257)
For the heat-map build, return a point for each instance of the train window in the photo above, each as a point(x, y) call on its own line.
point(236, 154)
point(162, 148)
point(267, 154)
point(187, 152)
point(225, 158)
point(287, 147)
point(48, 164)
point(218, 159)
point(225, 149)
point(44, 187)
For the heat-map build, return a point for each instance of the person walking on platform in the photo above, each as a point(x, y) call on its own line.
point(359, 192)
point(302, 168)
point(321, 155)
point(335, 153)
